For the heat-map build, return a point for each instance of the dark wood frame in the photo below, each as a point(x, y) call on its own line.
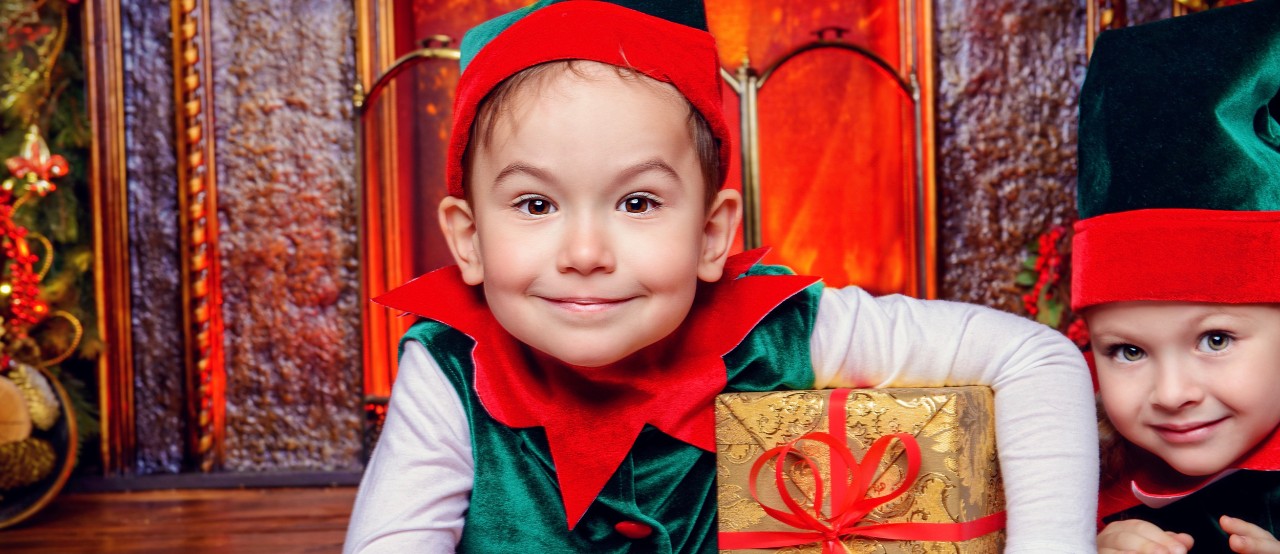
point(103, 71)
point(202, 317)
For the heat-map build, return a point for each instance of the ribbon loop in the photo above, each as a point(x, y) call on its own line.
point(850, 483)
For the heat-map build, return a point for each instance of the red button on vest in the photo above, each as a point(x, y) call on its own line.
point(632, 529)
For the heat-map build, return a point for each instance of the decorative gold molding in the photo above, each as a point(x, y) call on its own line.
point(373, 52)
point(384, 250)
point(1101, 15)
point(104, 70)
point(1184, 7)
point(197, 202)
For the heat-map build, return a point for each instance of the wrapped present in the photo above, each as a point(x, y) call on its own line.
point(865, 470)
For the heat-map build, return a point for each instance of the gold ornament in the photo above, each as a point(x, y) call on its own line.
point(42, 403)
point(15, 421)
point(25, 462)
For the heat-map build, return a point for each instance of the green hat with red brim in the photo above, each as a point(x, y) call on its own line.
point(666, 40)
point(1179, 190)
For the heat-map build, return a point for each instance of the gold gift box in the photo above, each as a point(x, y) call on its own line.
point(958, 479)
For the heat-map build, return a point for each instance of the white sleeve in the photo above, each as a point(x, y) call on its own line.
point(416, 489)
point(1046, 426)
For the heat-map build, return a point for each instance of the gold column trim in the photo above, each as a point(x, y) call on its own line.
point(373, 52)
point(104, 72)
point(198, 227)
point(383, 246)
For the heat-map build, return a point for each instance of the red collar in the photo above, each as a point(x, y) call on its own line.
point(591, 424)
point(1152, 482)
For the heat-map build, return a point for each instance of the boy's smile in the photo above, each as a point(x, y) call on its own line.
point(587, 221)
point(1195, 384)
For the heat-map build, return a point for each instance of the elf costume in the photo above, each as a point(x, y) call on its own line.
point(488, 447)
point(1179, 200)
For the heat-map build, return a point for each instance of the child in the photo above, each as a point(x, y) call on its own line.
point(1176, 260)
point(559, 397)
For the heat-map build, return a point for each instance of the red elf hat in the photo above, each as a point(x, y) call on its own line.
point(664, 40)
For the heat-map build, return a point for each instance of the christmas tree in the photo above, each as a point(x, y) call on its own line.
point(48, 339)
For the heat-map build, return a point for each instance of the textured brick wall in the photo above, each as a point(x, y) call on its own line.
point(283, 74)
point(159, 397)
point(1008, 76)
point(1009, 73)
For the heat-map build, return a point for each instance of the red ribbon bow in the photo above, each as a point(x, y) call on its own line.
point(850, 505)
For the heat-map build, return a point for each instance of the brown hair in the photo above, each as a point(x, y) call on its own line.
point(1113, 450)
point(498, 103)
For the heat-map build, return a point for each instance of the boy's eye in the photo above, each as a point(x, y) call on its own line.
point(1214, 342)
point(638, 204)
point(1127, 353)
point(535, 206)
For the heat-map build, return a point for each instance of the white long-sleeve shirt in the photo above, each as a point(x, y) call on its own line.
point(416, 488)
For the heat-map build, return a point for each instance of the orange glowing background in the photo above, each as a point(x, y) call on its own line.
point(836, 139)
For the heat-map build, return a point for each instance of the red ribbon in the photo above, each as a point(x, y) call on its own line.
point(849, 501)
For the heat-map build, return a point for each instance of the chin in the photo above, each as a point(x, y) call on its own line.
point(586, 360)
point(1198, 468)
point(591, 362)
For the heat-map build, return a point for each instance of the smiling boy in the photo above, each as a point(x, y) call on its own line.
point(558, 397)
point(591, 215)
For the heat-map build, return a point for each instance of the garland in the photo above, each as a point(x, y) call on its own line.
point(1044, 271)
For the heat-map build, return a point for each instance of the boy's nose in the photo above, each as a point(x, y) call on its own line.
point(1175, 387)
point(586, 247)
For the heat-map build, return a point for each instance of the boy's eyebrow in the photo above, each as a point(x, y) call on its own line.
point(654, 164)
point(514, 168)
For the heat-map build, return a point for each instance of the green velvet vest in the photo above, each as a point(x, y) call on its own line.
point(664, 484)
point(1253, 496)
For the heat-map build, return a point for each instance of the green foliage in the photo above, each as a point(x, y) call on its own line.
point(42, 82)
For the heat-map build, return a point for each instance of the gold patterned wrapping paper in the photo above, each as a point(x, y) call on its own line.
point(958, 479)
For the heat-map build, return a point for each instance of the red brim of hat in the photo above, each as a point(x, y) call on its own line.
point(1176, 255)
point(598, 31)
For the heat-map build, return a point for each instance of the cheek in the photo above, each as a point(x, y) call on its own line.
point(1257, 397)
point(1121, 398)
point(501, 247)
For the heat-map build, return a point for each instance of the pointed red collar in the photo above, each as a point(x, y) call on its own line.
point(592, 422)
point(1153, 483)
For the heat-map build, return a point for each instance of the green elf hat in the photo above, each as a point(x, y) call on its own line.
point(666, 40)
point(1179, 191)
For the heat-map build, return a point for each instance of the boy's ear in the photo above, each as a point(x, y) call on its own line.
point(458, 223)
point(717, 236)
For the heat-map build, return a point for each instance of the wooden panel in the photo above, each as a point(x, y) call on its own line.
point(189, 521)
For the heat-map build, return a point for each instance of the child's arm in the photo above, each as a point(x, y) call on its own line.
point(417, 486)
point(1045, 414)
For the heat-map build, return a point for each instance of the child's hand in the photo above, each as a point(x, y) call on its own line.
point(1135, 535)
point(1247, 538)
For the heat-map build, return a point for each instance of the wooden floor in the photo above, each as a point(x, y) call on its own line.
point(274, 520)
